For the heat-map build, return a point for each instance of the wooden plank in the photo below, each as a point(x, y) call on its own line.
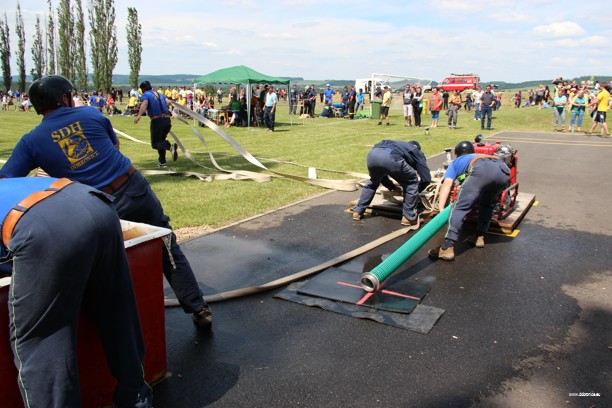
point(524, 201)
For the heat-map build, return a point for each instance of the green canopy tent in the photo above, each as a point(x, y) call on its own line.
point(241, 74)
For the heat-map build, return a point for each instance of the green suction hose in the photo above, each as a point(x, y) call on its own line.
point(370, 281)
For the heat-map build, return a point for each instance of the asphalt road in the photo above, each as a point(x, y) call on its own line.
point(528, 319)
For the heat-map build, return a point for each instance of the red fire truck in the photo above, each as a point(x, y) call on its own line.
point(459, 82)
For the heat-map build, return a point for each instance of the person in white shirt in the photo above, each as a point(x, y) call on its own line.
point(477, 95)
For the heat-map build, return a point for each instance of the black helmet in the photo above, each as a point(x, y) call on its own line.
point(46, 93)
point(464, 147)
point(416, 144)
point(145, 86)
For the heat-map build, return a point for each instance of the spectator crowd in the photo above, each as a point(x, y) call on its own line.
point(569, 101)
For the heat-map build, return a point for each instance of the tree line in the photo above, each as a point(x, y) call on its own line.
point(59, 44)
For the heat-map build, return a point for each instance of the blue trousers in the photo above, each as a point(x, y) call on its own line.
point(135, 201)
point(381, 164)
point(68, 253)
point(480, 190)
point(477, 113)
point(486, 112)
point(269, 117)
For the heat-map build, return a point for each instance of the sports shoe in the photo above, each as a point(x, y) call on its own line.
point(145, 398)
point(357, 216)
point(379, 124)
point(203, 318)
point(406, 221)
point(161, 165)
point(478, 241)
point(174, 151)
point(439, 253)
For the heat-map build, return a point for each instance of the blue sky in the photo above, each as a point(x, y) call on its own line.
point(510, 41)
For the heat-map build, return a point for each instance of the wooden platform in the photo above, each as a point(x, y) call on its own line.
point(524, 201)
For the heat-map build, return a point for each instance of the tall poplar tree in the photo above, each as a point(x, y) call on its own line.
point(80, 63)
point(134, 40)
point(65, 40)
point(103, 42)
point(38, 51)
point(51, 68)
point(21, 44)
point(5, 53)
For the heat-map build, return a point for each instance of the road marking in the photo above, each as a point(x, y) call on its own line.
point(594, 143)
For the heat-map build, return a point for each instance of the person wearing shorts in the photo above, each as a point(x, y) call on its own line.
point(385, 105)
point(408, 108)
point(603, 101)
point(435, 106)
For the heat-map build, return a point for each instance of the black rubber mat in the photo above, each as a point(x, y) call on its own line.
point(421, 320)
point(343, 285)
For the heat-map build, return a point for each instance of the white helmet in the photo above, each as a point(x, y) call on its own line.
point(506, 153)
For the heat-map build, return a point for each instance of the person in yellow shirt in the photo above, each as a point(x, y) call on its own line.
point(385, 105)
point(454, 104)
point(168, 92)
point(175, 94)
point(602, 101)
point(131, 106)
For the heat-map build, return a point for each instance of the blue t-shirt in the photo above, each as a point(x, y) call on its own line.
point(271, 99)
point(328, 94)
point(97, 101)
point(76, 143)
point(459, 166)
point(581, 101)
point(156, 103)
point(12, 191)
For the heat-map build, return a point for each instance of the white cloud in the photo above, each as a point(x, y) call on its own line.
point(595, 40)
point(454, 5)
point(511, 17)
point(559, 30)
point(209, 44)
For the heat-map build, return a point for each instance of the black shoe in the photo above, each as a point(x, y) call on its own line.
point(203, 318)
point(379, 123)
point(174, 151)
point(161, 165)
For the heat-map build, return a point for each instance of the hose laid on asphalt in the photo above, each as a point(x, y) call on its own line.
point(370, 281)
point(232, 294)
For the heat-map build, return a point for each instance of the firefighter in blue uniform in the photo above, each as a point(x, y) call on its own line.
point(64, 244)
point(154, 103)
point(405, 163)
point(80, 144)
point(484, 178)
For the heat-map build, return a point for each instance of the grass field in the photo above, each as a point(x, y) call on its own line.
point(335, 144)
